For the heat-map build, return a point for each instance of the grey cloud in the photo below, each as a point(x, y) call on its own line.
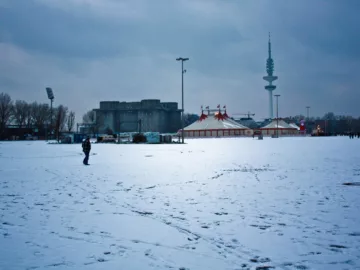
point(315, 48)
point(43, 29)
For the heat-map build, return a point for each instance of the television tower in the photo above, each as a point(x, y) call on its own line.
point(270, 78)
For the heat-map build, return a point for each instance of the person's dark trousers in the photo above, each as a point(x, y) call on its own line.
point(86, 159)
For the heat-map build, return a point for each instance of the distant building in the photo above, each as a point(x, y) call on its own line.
point(145, 115)
point(16, 132)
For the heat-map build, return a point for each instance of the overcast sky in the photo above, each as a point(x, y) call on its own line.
point(95, 50)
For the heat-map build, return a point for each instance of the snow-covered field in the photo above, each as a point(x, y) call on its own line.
point(209, 204)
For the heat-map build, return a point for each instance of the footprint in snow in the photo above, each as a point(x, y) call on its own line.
point(220, 213)
point(257, 259)
point(337, 246)
point(351, 184)
point(261, 227)
point(303, 267)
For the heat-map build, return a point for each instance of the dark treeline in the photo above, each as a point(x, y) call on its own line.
point(327, 116)
point(22, 114)
point(330, 123)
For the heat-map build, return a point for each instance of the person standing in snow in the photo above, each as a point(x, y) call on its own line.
point(86, 146)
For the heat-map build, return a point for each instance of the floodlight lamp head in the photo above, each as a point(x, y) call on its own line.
point(182, 59)
point(50, 93)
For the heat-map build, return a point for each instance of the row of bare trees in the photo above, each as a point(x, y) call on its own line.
point(34, 114)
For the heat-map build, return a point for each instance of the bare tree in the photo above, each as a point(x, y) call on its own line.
point(190, 118)
point(28, 121)
point(40, 114)
point(71, 121)
point(6, 107)
point(20, 112)
point(60, 120)
point(92, 119)
point(329, 116)
point(109, 131)
point(99, 123)
point(89, 117)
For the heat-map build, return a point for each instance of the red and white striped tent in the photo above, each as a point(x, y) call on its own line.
point(283, 127)
point(216, 124)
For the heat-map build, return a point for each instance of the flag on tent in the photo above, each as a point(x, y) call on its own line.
point(224, 107)
point(218, 106)
point(207, 107)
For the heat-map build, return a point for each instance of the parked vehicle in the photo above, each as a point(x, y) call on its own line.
point(106, 139)
point(30, 137)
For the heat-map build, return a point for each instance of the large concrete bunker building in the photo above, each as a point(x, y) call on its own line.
point(148, 114)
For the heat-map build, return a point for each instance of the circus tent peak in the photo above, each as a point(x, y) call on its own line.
point(219, 116)
point(202, 116)
point(214, 122)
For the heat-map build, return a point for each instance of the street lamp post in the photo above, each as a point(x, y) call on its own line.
point(307, 111)
point(182, 94)
point(277, 115)
point(50, 94)
point(307, 114)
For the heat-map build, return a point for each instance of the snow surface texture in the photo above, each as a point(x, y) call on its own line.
point(210, 204)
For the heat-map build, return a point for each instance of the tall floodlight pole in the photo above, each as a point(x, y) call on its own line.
point(307, 111)
point(307, 114)
point(277, 115)
point(50, 95)
point(182, 95)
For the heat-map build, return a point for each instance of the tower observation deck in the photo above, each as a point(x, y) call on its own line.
point(270, 78)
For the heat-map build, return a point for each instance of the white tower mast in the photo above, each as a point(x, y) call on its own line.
point(270, 78)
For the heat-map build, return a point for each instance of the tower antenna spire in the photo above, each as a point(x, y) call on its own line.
point(269, 45)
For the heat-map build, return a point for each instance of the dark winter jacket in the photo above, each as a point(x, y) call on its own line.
point(86, 145)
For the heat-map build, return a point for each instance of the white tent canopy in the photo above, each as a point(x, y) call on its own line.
point(274, 124)
point(294, 126)
point(216, 125)
point(279, 125)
